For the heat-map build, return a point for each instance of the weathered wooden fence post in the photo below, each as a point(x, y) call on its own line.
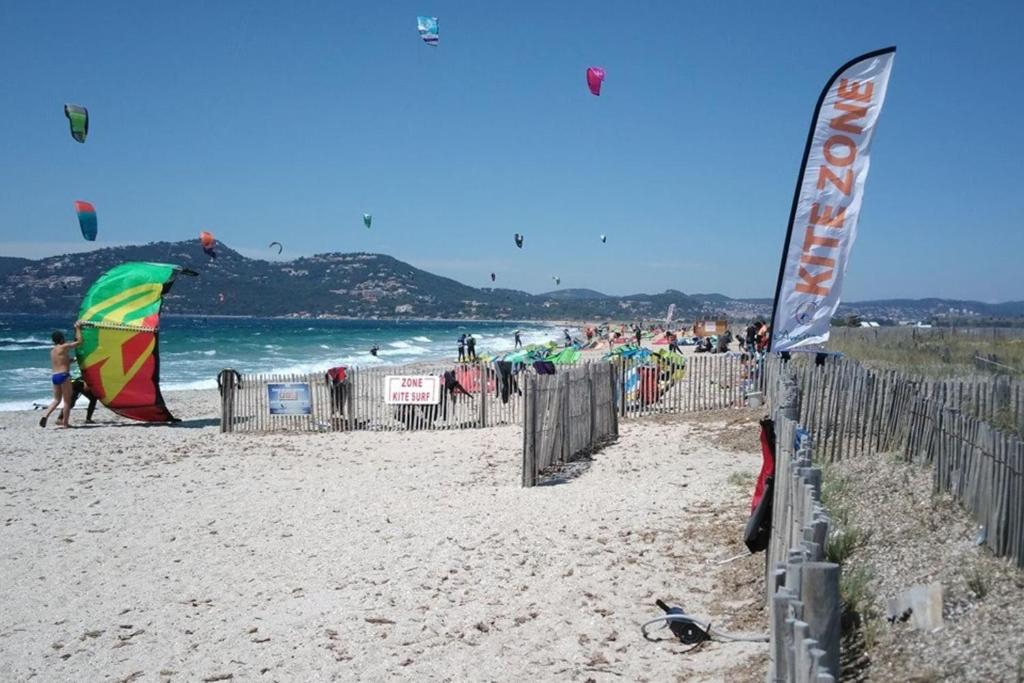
point(226, 384)
point(483, 395)
point(819, 592)
point(529, 435)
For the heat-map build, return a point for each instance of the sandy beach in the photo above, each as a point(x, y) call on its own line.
point(134, 552)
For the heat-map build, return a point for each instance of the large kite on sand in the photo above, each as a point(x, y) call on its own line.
point(120, 318)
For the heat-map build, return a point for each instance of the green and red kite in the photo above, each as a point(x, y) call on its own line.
point(120, 319)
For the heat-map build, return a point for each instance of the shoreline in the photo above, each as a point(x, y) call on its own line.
point(171, 387)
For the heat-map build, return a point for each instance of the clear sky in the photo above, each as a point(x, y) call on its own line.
point(285, 121)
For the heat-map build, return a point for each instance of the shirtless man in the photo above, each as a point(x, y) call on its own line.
point(60, 361)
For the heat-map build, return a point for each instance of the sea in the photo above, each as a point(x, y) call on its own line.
point(194, 349)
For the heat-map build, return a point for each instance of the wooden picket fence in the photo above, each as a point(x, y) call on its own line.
point(802, 588)
point(567, 415)
point(360, 404)
point(979, 465)
point(968, 429)
point(704, 382)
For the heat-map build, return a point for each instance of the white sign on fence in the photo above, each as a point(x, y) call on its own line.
point(412, 389)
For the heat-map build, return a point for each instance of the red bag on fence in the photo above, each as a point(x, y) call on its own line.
point(759, 526)
point(767, 460)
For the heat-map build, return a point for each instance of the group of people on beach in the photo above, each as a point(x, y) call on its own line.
point(467, 349)
point(66, 390)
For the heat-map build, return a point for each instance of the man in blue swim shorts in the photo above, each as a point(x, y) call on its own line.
point(60, 362)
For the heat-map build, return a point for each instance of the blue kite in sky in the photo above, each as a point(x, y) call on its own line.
point(427, 27)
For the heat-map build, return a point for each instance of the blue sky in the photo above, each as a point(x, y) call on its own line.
point(286, 121)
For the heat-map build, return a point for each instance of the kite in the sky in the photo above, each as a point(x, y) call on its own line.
point(557, 280)
point(519, 240)
point(604, 239)
point(78, 118)
point(119, 353)
point(492, 277)
point(427, 26)
point(86, 220)
point(595, 77)
point(208, 242)
point(280, 247)
point(367, 220)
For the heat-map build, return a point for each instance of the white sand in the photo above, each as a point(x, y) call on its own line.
point(178, 553)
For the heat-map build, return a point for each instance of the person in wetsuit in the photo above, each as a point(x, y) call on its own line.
point(519, 340)
point(80, 388)
point(373, 350)
point(60, 363)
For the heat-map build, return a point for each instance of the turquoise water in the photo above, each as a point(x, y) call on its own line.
point(194, 349)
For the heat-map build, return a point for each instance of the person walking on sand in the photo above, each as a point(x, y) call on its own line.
point(471, 348)
point(519, 340)
point(60, 363)
point(638, 332)
point(462, 348)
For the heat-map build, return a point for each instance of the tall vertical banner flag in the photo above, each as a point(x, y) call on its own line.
point(826, 204)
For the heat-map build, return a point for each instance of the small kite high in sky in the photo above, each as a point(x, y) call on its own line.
point(557, 280)
point(78, 119)
point(492, 277)
point(367, 220)
point(206, 239)
point(519, 240)
point(427, 26)
point(280, 247)
point(595, 77)
point(86, 219)
point(604, 238)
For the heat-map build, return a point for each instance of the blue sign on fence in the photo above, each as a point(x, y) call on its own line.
point(292, 398)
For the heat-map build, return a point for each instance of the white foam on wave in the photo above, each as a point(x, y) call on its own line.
point(211, 352)
point(425, 340)
point(325, 347)
point(193, 385)
point(25, 373)
point(23, 347)
point(400, 345)
point(23, 404)
point(320, 366)
point(24, 340)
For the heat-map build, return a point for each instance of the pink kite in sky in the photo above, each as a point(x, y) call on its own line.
point(595, 77)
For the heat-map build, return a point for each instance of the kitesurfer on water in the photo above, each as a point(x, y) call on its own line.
point(60, 363)
point(373, 350)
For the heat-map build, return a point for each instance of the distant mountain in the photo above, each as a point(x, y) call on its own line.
point(932, 309)
point(577, 294)
point(363, 285)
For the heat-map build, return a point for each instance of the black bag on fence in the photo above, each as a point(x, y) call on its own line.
point(759, 526)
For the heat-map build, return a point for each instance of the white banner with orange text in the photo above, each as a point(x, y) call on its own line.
point(827, 201)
